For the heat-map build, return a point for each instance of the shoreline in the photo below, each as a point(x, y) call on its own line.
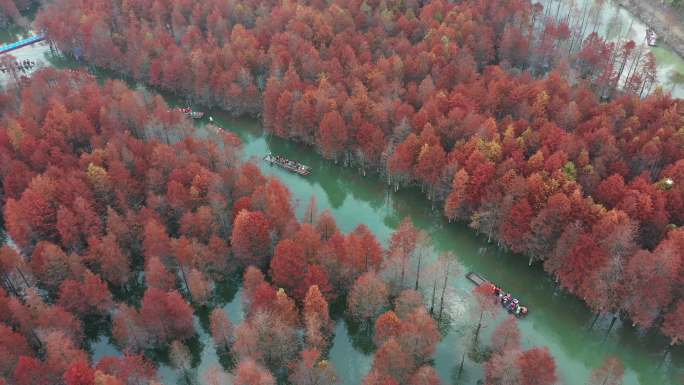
point(670, 29)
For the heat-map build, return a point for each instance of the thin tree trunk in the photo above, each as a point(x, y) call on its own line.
point(444, 285)
point(479, 326)
point(612, 322)
point(420, 259)
point(460, 367)
point(185, 280)
point(594, 321)
point(23, 277)
point(662, 360)
point(434, 294)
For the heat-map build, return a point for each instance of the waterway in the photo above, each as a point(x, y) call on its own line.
point(557, 320)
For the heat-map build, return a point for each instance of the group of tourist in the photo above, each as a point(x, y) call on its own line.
point(509, 303)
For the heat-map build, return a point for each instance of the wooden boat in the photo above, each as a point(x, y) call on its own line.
point(289, 165)
point(651, 37)
point(195, 114)
point(509, 303)
point(190, 113)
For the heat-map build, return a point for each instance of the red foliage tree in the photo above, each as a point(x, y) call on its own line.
point(425, 375)
point(89, 297)
point(368, 297)
point(391, 360)
point(332, 135)
point(609, 373)
point(506, 336)
point(537, 367)
point(221, 329)
point(12, 346)
point(312, 370)
point(317, 319)
point(251, 239)
point(249, 372)
point(166, 316)
point(157, 276)
point(130, 368)
point(79, 373)
point(31, 371)
point(673, 326)
point(387, 326)
point(200, 287)
point(287, 264)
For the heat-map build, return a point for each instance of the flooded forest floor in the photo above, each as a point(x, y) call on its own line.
point(666, 20)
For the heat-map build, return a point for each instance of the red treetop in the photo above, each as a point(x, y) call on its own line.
point(249, 372)
point(79, 373)
point(388, 325)
point(368, 297)
point(673, 326)
point(426, 375)
point(251, 238)
point(610, 373)
point(537, 367)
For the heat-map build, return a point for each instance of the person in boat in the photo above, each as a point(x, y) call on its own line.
point(506, 298)
point(497, 291)
point(513, 306)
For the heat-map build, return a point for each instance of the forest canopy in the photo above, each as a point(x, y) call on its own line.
point(516, 119)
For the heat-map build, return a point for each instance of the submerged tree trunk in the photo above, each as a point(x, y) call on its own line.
point(420, 258)
point(23, 277)
point(460, 367)
point(444, 286)
point(594, 321)
point(662, 360)
point(180, 267)
point(434, 294)
point(612, 322)
point(479, 326)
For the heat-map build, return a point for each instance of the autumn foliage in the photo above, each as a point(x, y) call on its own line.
point(517, 121)
point(541, 138)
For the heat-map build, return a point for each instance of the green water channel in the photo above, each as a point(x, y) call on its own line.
point(557, 320)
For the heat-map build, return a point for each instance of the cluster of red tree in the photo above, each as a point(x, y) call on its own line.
point(91, 185)
point(10, 11)
point(431, 95)
point(509, 364)
point(102, 183)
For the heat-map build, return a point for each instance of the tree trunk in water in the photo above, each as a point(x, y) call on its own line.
point(594, 321)
point(441, 300)
point(460, 367)
point(662, 360)
point(9, 286)
point(418, 273)
point(434, 294)
point(180, 266)
point(479, 326)
point(612, 322)
point(23, 277)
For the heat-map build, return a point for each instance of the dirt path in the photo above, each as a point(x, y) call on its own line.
point(666, 21)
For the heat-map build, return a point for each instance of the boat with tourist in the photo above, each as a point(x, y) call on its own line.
point(510, 303)
point(190, 113)
point(287, 164)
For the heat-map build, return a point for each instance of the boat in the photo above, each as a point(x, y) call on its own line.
point(190, 113)
point(651, 37)
point(287, 164)
point(512, 305)
point(195, 114)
